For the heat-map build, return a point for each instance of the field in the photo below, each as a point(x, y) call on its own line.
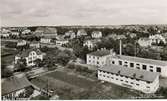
point(69, 85)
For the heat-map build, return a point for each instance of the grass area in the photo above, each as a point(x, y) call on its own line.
point(72, 86)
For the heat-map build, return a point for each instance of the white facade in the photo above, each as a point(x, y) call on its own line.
point(90, 44)
point(45, 40)
point(81, 32)
point(129, 82)
point(96, 34)
point(15, 33)
point(5, 35)
point(61, 42)
point(36, 45)
point(21, 43)
point(157, 38)
point(144, 42)
point(27, 31)
point(98, 58)
point(141, 64)
point(32, 56)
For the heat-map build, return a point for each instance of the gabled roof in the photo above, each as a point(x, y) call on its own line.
point(14, 83)
point(26, 52)
point(129, 72)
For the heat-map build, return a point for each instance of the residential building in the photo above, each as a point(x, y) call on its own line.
point(96, 34)
point(30, 56)
point(13, 86)
point(81, 32)
point(116, 37)
point(61, 42)
point(70, 34)
point(21, 42)
point(140, 64)
point(35, 44)
point(144, 42)
point(157, 38)
point(27, 31)
point(91, 43)
point(15, 33)
point(99, 57)
point(5, 35)
point(48, 38)
point(144, 81)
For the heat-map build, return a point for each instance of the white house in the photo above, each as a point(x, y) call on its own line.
point(5, 35)
point(30, 56)
point(21, 42)
point(157, 38)
point(144, 42)
point(117, 37)
point(27, 31)
point(96, 34)
point(15, 33)
point(140, 63)
point(99, 57)
point(70, 34)
point(45, 40)
point(81, 32)
point(35, 44)
point(91, 43)
point(144, 81)
point(13, 86)
point(61, 42)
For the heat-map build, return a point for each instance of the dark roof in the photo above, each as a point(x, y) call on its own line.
point(139, 74)
point(142, 60)
point(14, 83)
point(26, 52)
point(100, 52)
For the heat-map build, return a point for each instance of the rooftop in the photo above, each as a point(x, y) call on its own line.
point(101, 52)
point(142, 60)
point(26, 52)
point(13, 84)
point(132, 73)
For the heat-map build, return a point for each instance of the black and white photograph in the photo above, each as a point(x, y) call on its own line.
point(83, 49)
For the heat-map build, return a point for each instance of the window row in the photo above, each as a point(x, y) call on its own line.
point(144, 67)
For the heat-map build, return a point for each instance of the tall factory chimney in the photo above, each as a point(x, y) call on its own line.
point(120, 47)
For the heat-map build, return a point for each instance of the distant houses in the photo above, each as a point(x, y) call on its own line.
point(91, 43)
point(35, 44)
point(30, 56)
point(144, 42)
point(71, 34)
point(81, 32)
point(96, 34)
point(21, 43)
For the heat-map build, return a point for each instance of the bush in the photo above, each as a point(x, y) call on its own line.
point(71, 66)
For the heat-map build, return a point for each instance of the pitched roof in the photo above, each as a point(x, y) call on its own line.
point(100, 52)
point(26, 52)
point(142, 60)
point(139, 74)
point(13, 84)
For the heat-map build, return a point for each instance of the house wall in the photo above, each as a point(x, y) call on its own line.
point(45, 40)
point(129, 82)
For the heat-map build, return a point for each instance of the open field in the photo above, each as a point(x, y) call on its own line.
point(74, 86)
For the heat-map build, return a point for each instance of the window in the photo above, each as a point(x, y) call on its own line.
point(131, 64)
point(97, 62)
point(112, 78)
point(116, 78)
point(98, 58)
point(138, 67)
point(138, 64)
point(147, 87)
point(151, 66)
point(104, 76)
point(113, 62)
point(148, 82)
point(89, 60)
point(158, 69)
point(93, 57)
point(137, 84)
point(89, 56)
point(107, 76)
point(126, 81)
point(132, 83)
point(121, 80)
point(151, 70)
point(144, 67)
point(99, 74)
point(120, 62)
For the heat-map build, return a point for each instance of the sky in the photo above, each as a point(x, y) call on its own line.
point(82, 12)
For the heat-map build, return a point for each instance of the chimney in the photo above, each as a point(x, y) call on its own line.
point(120, 47)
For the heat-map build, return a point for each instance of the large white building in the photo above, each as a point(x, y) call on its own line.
point(157, 38)
point(96, 34)
point(30, 56)
point(91, 43)
point(140, 64)
point(21, 42)
point(99, 57)
point(147, 82)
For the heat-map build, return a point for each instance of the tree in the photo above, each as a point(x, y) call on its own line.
point(4, 70)
point(21, 65)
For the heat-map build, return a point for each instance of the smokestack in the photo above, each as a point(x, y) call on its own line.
point(120, 47)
